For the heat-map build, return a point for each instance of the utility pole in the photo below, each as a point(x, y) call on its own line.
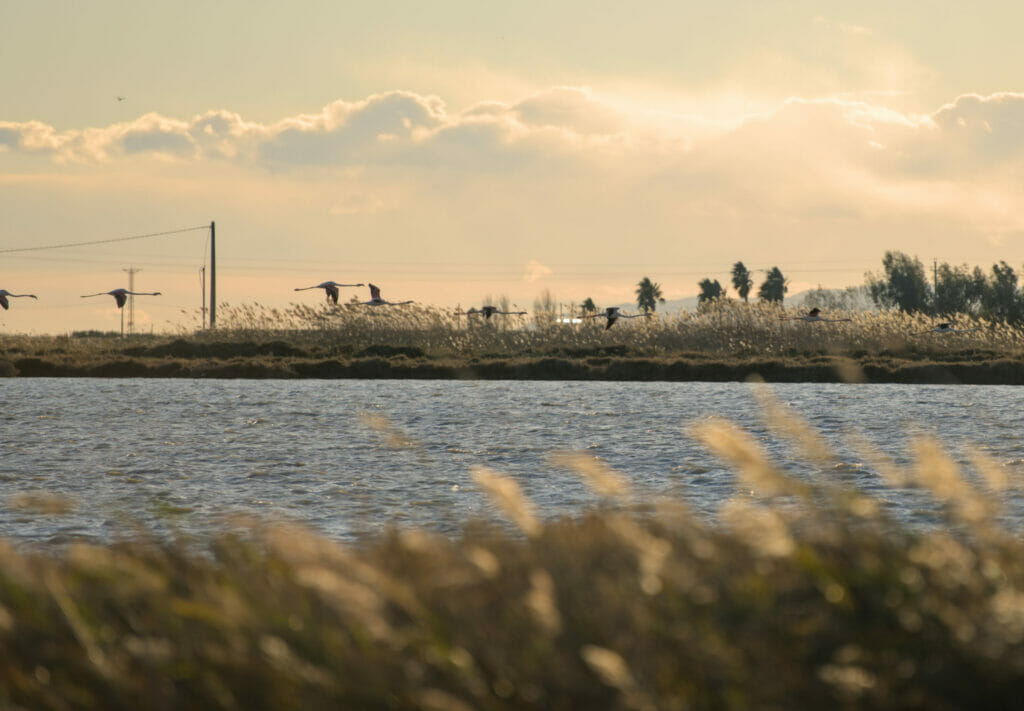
point(202, 286)
point(935, 283)
point(213, 274)
point(131, 298)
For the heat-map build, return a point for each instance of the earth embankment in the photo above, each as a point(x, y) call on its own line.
point(278, 359)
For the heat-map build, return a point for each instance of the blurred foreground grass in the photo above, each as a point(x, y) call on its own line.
point(801, 594)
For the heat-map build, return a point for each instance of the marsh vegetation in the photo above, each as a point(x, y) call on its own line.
point(725, 340)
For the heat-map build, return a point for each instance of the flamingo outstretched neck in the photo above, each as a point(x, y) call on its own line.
point(612, 314)
point(814, 315)
point(489, 311)
point(947, 328)
point(376, 300)
point(121, 295)
point(330, 287)
point(4, 295)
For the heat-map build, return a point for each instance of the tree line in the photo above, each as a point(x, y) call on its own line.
point(773, 288)
point(903, 284)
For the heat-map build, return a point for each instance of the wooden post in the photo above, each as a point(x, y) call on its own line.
point(213, 274)
point(202, 286)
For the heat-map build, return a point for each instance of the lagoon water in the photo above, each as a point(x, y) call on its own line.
point(185, 455)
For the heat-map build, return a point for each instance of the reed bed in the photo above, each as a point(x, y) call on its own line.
point(801, 593)
point(724, 327)
point(724, 341)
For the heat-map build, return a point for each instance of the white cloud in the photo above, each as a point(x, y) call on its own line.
point(535, 271)
point(571, 109)
point(805, 159)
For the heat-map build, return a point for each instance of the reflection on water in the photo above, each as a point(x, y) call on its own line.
point(349, 456)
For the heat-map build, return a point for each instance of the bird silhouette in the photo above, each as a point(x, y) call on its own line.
point(613, 314)
point(376, 300)
point(947, 328)
point(4, 294)
point(121, 295)
point(814, 315)
point(489, 311)
point(331, 287)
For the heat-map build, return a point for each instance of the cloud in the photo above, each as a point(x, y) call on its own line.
point(346, 133)
point(33, 137)
point(568, 108)
point(226, 135)
point(151, 134)
point(813, 159)
point(9, 137)
point(535, 271)
point(981, 132)
point(385, 129)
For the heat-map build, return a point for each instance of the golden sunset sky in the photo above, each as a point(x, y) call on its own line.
point(450, 150)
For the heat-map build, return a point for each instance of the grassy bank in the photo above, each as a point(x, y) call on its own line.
point(803, 594)
point(732, 342)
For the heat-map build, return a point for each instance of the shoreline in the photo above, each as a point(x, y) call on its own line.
point(791, 369)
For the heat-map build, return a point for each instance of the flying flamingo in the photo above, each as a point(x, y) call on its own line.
point(489, 311)
point(814, 315)
point(375, 299)
point(331, 287)
point(121, 295)
point(947, 328)
point(612, 314)
point(4, 294)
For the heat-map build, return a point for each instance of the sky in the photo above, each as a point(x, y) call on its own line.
point(452, 151)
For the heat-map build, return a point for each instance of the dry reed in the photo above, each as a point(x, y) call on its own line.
point(728, 328)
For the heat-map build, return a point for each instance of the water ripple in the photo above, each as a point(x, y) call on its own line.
point(182, 455)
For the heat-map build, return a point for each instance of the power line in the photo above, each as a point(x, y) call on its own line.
point(103, 241)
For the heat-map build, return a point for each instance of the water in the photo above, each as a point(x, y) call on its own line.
point(181, 455)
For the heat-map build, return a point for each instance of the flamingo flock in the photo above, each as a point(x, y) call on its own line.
point(332, 293)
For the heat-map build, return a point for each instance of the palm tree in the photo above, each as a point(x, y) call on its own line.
point(742, 280)
point(709, 291)
point(648, 294)
point(773, 288)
